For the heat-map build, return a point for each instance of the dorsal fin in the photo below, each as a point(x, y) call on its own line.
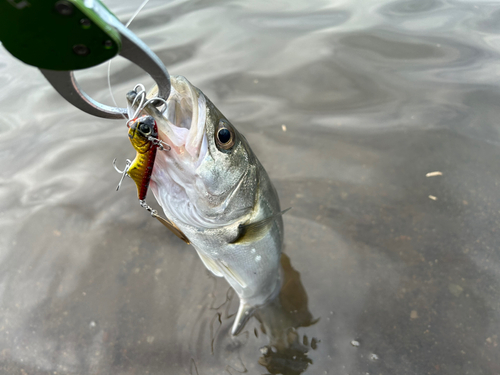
point(172, 227)
point(252, 231)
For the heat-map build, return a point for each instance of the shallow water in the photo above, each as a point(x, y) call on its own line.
point(380, 279)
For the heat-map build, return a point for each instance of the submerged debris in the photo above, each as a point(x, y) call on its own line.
point(314, 343)
point(455, 289)
point(434, 174)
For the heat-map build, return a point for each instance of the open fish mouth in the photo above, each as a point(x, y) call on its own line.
point(175, 180)
point(182, 124)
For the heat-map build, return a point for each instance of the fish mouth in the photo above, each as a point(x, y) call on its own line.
point(182, 124)
point(174, 179)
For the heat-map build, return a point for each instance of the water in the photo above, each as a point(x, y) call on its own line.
point(373, 96)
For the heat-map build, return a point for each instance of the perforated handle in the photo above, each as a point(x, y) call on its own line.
point(58, 35)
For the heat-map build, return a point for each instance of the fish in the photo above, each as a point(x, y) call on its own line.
point(213, 188)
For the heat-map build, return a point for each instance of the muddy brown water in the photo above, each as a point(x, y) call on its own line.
point(380, 278)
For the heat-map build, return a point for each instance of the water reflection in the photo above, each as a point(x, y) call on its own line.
point(287, 351)
point(273, 333)
point(372, 101)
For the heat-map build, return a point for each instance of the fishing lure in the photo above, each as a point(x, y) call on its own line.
point(143, 134)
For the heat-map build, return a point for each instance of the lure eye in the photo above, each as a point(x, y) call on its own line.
point(144, 128)
point(146, 125)
point(225, 137)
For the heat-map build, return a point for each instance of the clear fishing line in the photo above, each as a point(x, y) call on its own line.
point(109, 63)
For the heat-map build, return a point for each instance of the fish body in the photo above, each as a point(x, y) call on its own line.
point(214, 189)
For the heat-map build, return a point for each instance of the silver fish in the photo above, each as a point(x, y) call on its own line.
point(214, 189)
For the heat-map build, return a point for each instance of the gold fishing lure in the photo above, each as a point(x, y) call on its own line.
point(143, 134)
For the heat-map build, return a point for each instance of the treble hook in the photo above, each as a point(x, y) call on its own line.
point(123, 173)
point(161, 145)
point(143, 102)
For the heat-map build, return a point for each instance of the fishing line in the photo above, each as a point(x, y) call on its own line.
point(109, 63)
point(137, 12)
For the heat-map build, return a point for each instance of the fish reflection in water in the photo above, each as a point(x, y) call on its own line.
point(287, 351)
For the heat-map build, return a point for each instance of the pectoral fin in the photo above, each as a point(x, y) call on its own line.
point(173, 228)
point(253, 231)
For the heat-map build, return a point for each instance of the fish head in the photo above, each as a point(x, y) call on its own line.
point(207, 178)
point(141, 132)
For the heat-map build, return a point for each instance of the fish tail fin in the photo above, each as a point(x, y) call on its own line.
point(244, 313)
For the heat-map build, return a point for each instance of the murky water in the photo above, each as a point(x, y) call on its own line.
point(380, 278)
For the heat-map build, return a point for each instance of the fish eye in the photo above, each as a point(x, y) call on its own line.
point(225, 138)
